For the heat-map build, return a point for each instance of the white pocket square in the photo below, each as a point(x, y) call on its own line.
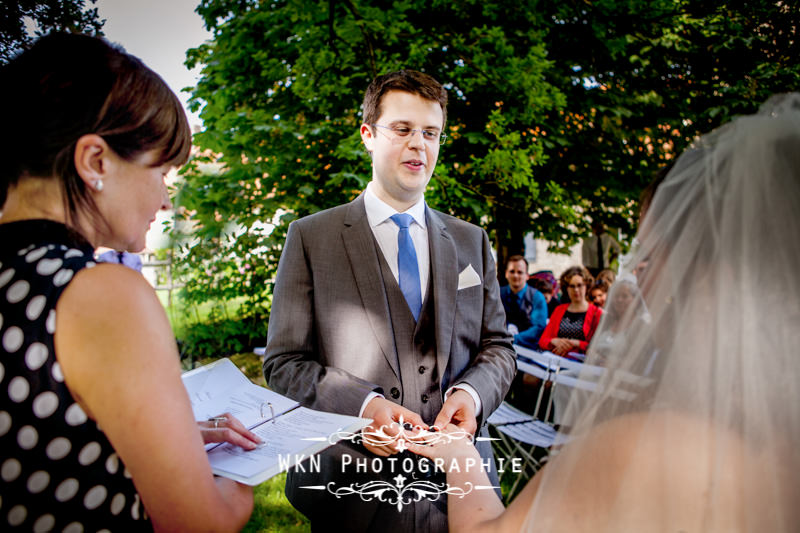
point(468, 278)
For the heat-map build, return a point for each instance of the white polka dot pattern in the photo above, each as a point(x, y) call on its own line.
point(38, 481)
point(6, 276)
point(58, 448)
point(89, 453)
point(95, 497)
point(12, 339)
point(5, 422)
point(67, 489)
point(45, 404)
point(18, 389)
point(27, 437)
point(17, 515)
point(50, 324)
point(112, 464)
point(62, 277)
point(46, 267)
point(75, 415)
point(117, 504)
point(18, 291)
point(35, 307)
point(49, 449)
point(44, 523)
point(56, 372)
point(73, 527)
point(10, 470)
point(36, 254)
point(135, 508)
point(36, 355)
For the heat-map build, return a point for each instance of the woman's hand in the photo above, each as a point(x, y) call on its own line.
point(562, 346)
point(227, 428)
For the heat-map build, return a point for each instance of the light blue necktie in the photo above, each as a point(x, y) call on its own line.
point(407, 264)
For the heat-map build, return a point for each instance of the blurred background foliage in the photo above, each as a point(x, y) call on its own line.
point(560, 113)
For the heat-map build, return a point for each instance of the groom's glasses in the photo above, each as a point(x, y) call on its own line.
point(400, 134)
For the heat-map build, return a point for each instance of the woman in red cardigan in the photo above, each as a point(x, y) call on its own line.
point(572, 325)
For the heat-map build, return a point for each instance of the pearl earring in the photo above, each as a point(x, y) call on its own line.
point(98, 185)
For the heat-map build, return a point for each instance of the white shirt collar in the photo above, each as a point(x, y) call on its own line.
point(379, 211)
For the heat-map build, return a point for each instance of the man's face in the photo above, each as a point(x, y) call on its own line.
point(403, 166)
point(516, 275)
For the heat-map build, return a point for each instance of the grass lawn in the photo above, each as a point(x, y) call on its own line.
point(273, 512)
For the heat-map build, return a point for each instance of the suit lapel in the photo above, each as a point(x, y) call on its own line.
point(359, 244)
point(444, 266)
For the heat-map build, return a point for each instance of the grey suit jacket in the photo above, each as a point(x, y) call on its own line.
point(330, 340)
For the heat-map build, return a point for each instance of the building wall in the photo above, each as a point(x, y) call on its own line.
point(540, 259)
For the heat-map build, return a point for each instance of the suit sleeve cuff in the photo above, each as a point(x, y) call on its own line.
point(466, 387)
point(368, 399)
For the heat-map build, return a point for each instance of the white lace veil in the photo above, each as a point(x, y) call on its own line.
point(696, 422)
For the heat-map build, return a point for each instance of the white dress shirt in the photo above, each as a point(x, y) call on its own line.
point(385, 230)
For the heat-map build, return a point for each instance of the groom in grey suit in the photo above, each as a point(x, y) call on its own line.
point(393, 318)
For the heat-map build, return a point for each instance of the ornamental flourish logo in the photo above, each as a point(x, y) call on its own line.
point(404, 489)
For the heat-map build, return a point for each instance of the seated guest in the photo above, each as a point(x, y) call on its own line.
point(96, 427)
point(554, 289)
point(526, 307)
point(625, 315)
point(546, 288)
point(572, 325)
point(598, 292)
point(607, 276)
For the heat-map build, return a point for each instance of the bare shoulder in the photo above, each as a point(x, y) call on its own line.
point(110, 292)
point(109, 317)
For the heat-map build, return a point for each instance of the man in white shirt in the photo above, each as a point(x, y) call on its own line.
point(387, 309)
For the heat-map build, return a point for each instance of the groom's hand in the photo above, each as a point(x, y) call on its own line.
point(379, 436)
point(459, 410)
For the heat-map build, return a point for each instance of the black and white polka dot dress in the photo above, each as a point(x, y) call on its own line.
point(58, 472)
point(571, 326)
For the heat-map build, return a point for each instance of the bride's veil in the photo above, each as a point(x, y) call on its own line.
point(695, 425)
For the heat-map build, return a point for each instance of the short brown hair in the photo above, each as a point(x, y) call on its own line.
point(410, 81)
point(67, 86)
point(514, 258)
point(578, 270)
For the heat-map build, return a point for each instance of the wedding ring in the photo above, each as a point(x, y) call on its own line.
point(217, 420)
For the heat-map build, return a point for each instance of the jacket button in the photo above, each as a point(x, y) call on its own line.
point(424, 398)
point(422, 370)
point(395, 393)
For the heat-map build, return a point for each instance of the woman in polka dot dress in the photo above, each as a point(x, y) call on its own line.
point(96, 429)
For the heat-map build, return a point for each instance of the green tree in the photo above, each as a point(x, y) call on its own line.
point(22, 21)
point(560, 112)
point(643, 79)
point(281, 88)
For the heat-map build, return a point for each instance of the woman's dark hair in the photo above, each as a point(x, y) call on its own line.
point(66, 86)
point(541, 285)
